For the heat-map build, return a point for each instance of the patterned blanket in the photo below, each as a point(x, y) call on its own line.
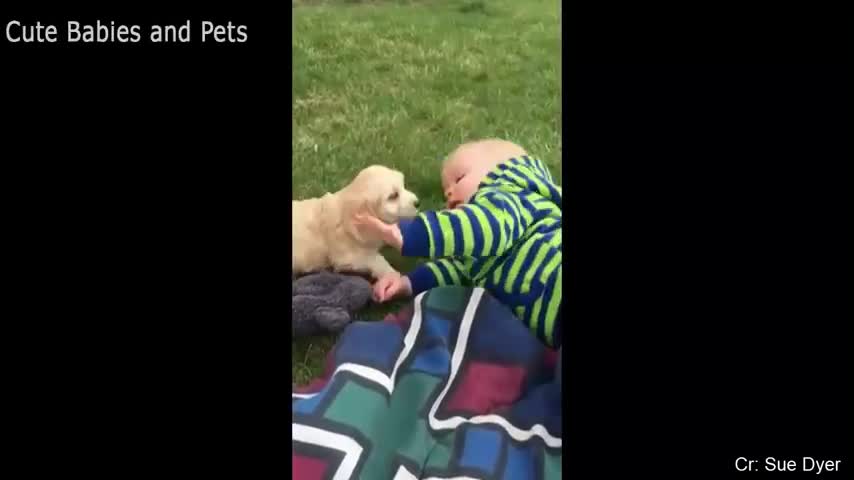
point(453, 386)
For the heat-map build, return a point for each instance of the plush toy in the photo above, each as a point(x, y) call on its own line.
point(324, 302)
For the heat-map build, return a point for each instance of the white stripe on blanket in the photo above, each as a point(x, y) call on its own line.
point(457, 359)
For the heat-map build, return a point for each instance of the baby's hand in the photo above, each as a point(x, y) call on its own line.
point(390, 234)
point(391, 285)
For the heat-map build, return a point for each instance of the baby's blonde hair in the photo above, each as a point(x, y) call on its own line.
point(492, 150)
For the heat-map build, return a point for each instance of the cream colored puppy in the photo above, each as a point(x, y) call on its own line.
point(325, 236)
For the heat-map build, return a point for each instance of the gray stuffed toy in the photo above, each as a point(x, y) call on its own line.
point(324, 302)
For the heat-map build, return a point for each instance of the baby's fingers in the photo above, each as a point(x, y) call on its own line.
point(379, 290)
point(389, 292)
point(369, 221)
point(385, 292)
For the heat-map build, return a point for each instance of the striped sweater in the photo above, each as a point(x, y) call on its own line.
point(507, 239)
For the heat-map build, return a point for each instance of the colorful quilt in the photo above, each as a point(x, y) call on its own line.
point(452, 387)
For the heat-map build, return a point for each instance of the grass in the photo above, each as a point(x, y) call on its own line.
point(401, 83)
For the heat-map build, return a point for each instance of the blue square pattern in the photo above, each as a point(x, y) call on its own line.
point(435, 361)
point(375, 344)
point(520, 462)
point(481, 449)
point(434, 326)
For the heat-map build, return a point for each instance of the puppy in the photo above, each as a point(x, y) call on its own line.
point(324, 235)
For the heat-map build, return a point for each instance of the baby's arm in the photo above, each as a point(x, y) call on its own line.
point(426, 276)
point(488, 226)
point(445, 271)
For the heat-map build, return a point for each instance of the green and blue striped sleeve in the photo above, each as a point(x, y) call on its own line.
point(444, 271)
point(486, 227)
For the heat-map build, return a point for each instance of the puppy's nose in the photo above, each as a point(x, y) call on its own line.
point(416, 202)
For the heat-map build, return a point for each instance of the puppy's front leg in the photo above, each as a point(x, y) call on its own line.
point(380, 267)
point(374, 264)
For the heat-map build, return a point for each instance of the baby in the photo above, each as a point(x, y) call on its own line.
point(502, 232)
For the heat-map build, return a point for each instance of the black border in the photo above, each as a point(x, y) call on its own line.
point(114, 353)
point(145, 280)
point(707, 168)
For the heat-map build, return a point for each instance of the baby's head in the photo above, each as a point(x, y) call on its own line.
point(469, 163)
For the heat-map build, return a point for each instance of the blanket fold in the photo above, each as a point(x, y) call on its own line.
point(453, 386)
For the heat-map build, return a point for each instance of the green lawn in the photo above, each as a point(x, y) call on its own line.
point(402, 83)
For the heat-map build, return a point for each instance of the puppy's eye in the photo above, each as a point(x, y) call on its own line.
point(393, 196)
point(459, 178)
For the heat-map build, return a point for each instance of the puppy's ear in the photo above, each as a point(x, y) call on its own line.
point(376, 203)
point(357, 201)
